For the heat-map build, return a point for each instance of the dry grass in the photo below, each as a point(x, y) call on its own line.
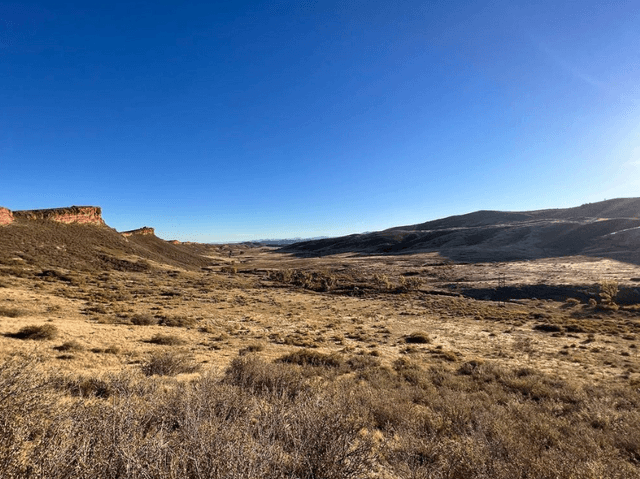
point(273, 420)
point(326, 367)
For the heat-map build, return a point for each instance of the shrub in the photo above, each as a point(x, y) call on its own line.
point(548, 328)
point(417, 338)
point(11, 312)
point(37, 333)
point(358, 363)
point(144, 320)
point(608, 291)
point(169, 364)
point(178, 322)
point(70, 346)
point(252, 373)
point(251, 348)
point(112, 349)
point(165, 340)
point(307, 357)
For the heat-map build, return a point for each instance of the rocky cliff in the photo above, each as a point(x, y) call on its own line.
point(145, 230)
point(6, 216)
point(73, 214)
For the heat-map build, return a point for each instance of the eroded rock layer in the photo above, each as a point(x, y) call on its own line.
point(72, 214)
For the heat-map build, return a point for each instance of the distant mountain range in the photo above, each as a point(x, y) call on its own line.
point(605, 229)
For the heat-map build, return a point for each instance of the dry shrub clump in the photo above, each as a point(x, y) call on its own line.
point(257, 376)
point(307, 357)
point(178, 322)
point(251, 348)
point(143, 320)
point(169, 364)
point(313, 280)
point(72, 345)
point(417, 337)
point(8, 312)
point(166, 340)
point(276, 420)
point(36, 332)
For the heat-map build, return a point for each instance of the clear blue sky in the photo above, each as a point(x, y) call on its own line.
point(230, 121)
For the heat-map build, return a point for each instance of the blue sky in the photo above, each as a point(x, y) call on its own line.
point(231, 121)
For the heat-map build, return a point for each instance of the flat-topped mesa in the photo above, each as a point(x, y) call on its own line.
point(73, 214)
point(145, 230)
point(6, 216)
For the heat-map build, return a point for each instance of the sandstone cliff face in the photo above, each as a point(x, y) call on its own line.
point(73, 214)
point(145, 230)
point(6, 216)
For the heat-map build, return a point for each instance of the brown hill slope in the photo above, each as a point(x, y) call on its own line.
point(605, 229)
point(35, 241)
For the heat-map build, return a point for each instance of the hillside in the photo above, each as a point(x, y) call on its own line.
point(604, 229)
point(77, 238)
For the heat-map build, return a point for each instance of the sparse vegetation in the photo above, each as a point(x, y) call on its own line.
point(396, 366)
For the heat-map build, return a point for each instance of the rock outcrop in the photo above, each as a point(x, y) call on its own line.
point(6, 216)
point(73, 214)
point(145, 230)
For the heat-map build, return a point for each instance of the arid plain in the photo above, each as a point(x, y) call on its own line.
point(346, 365)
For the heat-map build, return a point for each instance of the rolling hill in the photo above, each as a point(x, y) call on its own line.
point(605, 229)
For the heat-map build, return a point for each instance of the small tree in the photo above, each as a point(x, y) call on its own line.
point(608, 292)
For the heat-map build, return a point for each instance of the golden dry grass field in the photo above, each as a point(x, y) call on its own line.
point(264, 364)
